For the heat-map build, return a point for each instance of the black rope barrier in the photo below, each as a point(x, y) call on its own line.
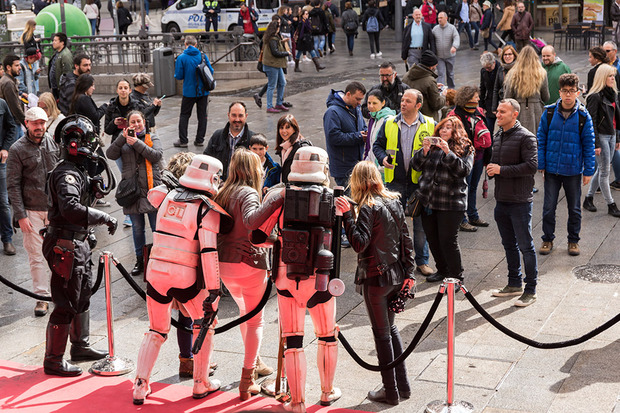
point(408, 350)
point(23, 290)
point(175, 323)
point(533, 343)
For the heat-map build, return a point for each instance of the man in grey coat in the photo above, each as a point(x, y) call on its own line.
point(447, 40)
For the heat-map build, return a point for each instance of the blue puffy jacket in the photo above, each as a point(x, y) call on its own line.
point(185, 70)
point(561, 149)
point(342, 125)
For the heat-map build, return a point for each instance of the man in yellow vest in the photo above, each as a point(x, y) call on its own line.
point(396, 142)
point(211, 9)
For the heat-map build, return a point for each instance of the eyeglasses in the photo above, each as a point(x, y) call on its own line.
point(568, 91)
point(386, 75)
point(608, 51)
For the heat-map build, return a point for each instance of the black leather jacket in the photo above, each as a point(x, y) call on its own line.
point(381, 239)
point(603, 113)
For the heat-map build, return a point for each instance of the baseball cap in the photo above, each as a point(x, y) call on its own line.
point(142, 79)
point(36, 113)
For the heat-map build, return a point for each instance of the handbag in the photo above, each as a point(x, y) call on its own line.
point(485, 32)
point(128, 191)
point(414, 206)
point(259, 64)
point(204, 73)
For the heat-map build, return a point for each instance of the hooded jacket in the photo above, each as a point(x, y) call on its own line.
point(554, 71)
point(424, 79)
point(185, 70)
point(342, 125)
point(562, 150)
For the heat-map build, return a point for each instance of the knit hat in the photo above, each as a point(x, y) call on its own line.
point(428, 59)
point(142, 79)
point(487, 3)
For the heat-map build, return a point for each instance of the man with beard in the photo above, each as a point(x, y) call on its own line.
point(224, 141)
point(391, 87)
point(422, 77)
point(81, 65)
point(9, 91)
point(555, 67)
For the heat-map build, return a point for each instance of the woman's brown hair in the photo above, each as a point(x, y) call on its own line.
point(290, 120)
point(459, 143)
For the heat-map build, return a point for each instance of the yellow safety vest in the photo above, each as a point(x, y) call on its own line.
point(209, 3)
point(426, 128)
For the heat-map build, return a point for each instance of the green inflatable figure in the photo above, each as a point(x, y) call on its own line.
point(76, 21)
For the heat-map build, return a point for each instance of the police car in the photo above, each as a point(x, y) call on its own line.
point(187, 16)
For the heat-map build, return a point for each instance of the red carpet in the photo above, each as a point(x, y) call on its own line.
point(28, 389)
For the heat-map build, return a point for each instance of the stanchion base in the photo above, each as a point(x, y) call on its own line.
point(111, 366)
point(440, 406)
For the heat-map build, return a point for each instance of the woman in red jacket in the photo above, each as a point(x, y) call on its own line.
point(429, 12)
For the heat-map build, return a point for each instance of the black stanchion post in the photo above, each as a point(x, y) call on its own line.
point(110, 365)
point(450, 405)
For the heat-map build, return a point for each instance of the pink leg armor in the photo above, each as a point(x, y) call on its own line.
point(202, 385)
point(149, 350)
point(327, 357)
point(295, 360)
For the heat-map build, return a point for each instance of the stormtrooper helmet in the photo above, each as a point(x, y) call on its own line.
point(310, 165)
point(203, 174)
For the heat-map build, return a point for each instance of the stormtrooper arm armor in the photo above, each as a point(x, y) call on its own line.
point(157, 195)
point(207, 236)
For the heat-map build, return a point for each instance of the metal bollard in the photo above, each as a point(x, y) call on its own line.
point(110, 365)
point(450, 406)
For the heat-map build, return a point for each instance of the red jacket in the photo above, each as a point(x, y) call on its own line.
point(429, 12)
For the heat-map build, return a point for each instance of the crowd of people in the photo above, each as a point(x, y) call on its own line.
point(412, 148)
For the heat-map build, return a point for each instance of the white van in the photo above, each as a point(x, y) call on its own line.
point(186, 15)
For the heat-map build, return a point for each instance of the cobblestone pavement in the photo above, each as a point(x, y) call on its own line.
point(493, 372)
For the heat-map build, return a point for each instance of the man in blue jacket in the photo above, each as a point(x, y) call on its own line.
point(345, 131)
point(565, 152)
point(194, 92)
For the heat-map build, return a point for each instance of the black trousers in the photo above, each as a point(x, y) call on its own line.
point(74, 297)
point(387, 337)
point(441, 229)
point(373, 39)
point(187, 104)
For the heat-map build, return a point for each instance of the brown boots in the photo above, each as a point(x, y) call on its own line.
point(247, 385)
point(297, 69)
point(317, 64)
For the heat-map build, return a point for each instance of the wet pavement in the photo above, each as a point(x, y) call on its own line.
point(493, 372)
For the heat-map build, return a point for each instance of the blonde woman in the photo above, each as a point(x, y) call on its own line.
point(604, 107)
point(527, 84)
point(243, 266)
point(48, 104)
point(381, 239)
point(28, 38)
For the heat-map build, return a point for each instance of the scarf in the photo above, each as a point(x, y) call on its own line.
point(375, 116)
point(286, 150)
point(149, 167)
point(609, 93)
point(470, 107)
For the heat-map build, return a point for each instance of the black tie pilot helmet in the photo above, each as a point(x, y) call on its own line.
point(76, 136)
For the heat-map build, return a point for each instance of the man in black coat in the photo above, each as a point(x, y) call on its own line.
point(417, 37)
point(488, 73)
point(81, 65)
point(235, 134)
point(391, 87)
point(513, 165)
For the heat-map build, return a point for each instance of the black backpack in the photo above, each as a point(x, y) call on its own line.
point(582, 118)
point(315, 24)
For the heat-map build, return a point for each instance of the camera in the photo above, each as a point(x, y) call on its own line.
point(131, 132)
point(434, 140)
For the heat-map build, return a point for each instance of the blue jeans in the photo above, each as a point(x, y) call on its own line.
point(319, 42)
point(615, 164)
point(445, 71)
point(473, 179)
point(137, 227)
point(572, 189)
point(514, 222)
point(603, 161)
point(476, 27)
point(299, 53)
point(275, 76)
point(350, 41)
point(467, 27)
point(93, 26)
point(6, 225)
point(420, 246)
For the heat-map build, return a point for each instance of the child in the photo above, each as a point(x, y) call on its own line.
point(259, 145)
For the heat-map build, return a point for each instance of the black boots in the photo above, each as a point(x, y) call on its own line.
point(612, 210)
point(56, 341)
point(297, 69)
point(389, 392)
point(588, 203)
point(317, 64)
point(80, 335)
point(139, 267)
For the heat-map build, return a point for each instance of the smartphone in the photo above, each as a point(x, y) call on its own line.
point(131, 132)
point(390, 159)
point(163, 97)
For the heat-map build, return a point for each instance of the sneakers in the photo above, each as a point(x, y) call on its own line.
point(588, 203)
point(199, 143)
point(615, 185)
point(507, 291)
point(573, 249)
point(41, 308)
point(127, 221)
point(179, 144)
point(467, 227)
point(546, 248)
point(344, 242)
point(273, 110)
point(258, 100)
point(525, 300)
point(372, 55)
point(478, 222)
point(102, 203)
point(287, 104)
point(282, 108)
point(425, 270)
point(306, 59)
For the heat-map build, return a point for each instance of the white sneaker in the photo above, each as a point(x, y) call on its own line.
point(305, 59)
point(379, 54)
point(372, 55)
